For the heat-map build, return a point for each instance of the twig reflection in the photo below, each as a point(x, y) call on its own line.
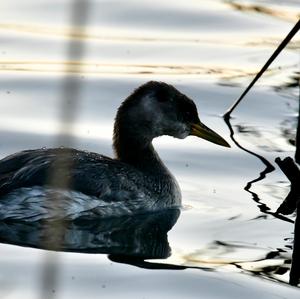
point(268, 169)
point(292, 201)
point(289, 206)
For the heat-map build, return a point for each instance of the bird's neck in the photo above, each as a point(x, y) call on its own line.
point(140, 153)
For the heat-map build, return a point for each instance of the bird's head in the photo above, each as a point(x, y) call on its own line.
point(156, 108)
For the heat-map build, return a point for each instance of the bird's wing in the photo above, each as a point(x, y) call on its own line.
point(87, 172)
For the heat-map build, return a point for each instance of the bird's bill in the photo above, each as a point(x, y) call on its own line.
point(202, 131)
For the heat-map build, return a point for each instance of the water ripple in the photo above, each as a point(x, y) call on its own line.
point(98, 68)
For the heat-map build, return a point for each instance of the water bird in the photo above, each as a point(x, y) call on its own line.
point(87, 184)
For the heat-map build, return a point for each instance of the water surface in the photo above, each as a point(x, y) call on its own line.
point(210, 50)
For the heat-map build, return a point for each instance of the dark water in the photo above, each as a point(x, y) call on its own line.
point(225, 243)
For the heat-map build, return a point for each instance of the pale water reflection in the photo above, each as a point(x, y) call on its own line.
point(208, 49)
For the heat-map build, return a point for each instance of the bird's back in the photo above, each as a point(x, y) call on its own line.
point(79, 182)
point(87, 172)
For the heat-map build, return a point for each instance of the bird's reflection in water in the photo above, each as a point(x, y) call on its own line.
point(136, 240)
point(130, 239)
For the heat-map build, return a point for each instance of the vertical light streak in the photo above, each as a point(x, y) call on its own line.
point(70, 98)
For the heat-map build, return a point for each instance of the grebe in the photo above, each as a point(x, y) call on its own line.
point(135, 181)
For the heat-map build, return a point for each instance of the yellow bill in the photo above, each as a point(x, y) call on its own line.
point(202, 131)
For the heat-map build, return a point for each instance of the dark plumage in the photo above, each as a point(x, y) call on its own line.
point(136, 180)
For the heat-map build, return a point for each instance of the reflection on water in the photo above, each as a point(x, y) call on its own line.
point(252, 260)
point(209, 49)
point(224, 74)
point(133, 240)
point(290, 205)
point(123, 69)
point(143, 236)
point(285, 13)
point(290, 90)
point(291, 202)
point(262, 175)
